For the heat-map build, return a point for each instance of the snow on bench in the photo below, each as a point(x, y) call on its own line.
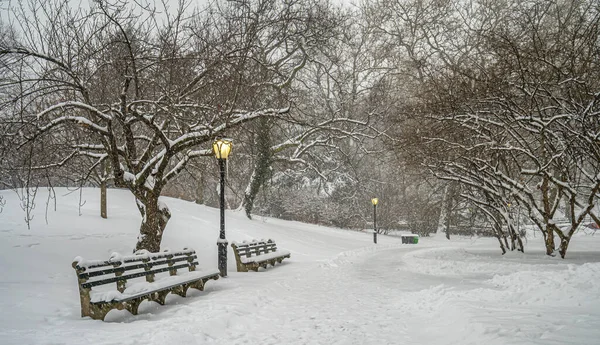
point(265, 257)
point(255, 254)
point(160, 271)
point(142, 288)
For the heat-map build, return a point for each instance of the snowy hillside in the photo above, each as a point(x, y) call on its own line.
point(337, 287)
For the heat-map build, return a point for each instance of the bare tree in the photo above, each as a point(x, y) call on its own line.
point(332, 119)
point(527, 116)
point(148, 92)
point(508, 99)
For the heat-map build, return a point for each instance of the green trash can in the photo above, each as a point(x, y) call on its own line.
point(410, 239)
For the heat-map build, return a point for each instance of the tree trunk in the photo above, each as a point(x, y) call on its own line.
point(515, 239)
point(520, 246)
point(200, 189)
point(103, 212)
point(446, 210)
point(261, 170)
point(549, 240)
point(443, 213)
point(103, 186)
point(447, 225)
point(505, 240)
point(564, 244)
point(250, 193)
point(155, 216)
point(568, 214)
point(500, 235)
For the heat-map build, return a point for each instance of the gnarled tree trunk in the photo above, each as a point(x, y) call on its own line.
point(549, 240)
point(155, 216)
point(564, 244)
point(262, 166)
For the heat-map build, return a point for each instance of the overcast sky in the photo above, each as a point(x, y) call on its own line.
point(5, 5)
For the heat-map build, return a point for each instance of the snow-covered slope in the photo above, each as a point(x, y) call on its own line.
point(337, 288)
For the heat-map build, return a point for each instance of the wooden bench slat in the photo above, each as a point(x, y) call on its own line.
point(162, 288)
point(122, 269)
point(89, 264)
point(265, 257)
point(135, 275)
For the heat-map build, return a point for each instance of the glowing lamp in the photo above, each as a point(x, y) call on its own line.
point(222, 148)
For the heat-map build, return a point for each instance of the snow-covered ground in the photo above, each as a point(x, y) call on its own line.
point(337, 287)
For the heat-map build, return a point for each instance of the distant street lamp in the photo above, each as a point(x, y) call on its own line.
point(222, 148)
point(375, 201)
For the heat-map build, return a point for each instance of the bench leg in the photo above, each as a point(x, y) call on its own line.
point(98, 312)
point(133, 306)
point(160, 297)
point(241, 267)
point(86, 306)
point(200, 284)
point(181, 290)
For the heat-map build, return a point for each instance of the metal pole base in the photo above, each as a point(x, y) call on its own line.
point(222, 258)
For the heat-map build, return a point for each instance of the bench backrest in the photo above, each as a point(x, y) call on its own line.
point(118, 269)
point(254, 248)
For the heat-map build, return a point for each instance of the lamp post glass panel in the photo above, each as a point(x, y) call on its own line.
point(222, 149)
point(374, 201)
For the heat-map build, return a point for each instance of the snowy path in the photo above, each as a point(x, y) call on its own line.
point(341, 301)
point(337, 288)
point(369, 297)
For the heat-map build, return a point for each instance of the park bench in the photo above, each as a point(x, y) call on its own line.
point(116, 287)
point(255, 254)
point(410, 239)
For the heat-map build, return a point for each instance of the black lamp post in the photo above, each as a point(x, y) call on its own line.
point(222, 148)
point(374, 201)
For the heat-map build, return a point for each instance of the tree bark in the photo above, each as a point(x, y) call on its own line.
point(446, 209)
point(564, 244)
point(261, 167)
point(103, 212)
point(200, 189)
point(500, 235)
point(155, 217)
point(549, 240)
point(103, 191)
point(515, 239)
point(443, 215)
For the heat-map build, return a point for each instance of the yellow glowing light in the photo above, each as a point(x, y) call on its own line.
point(222, 148)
